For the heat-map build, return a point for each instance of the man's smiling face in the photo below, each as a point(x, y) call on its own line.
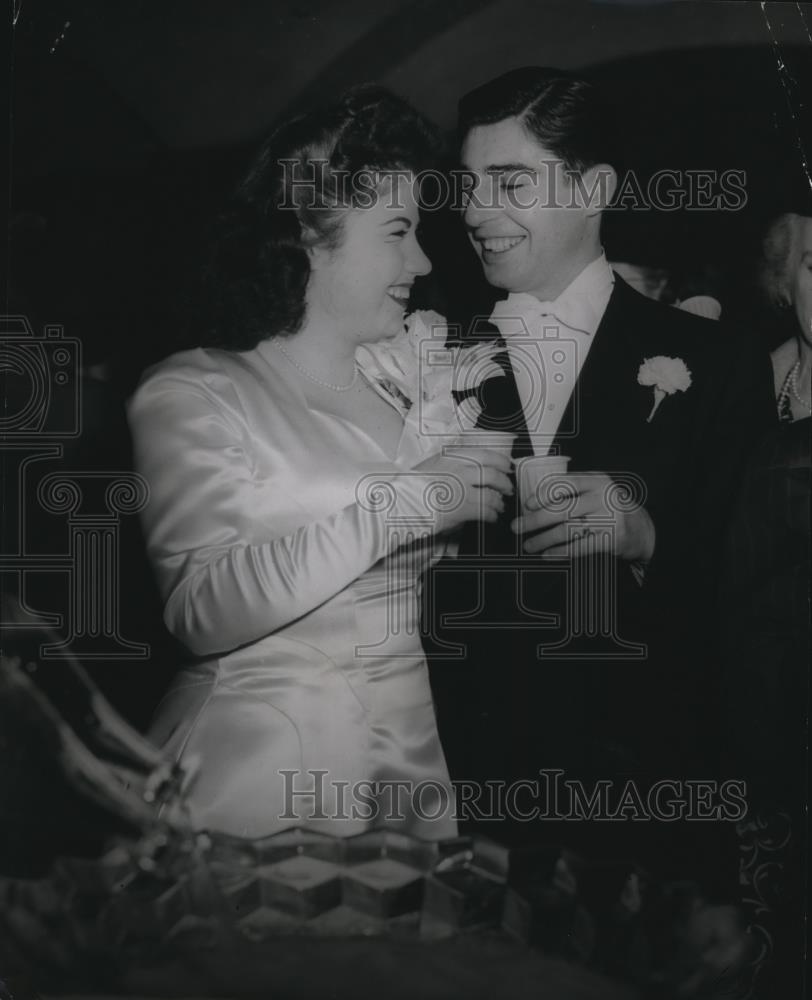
point(524, 218)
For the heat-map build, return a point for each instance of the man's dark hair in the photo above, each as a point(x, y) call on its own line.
point(564, 113)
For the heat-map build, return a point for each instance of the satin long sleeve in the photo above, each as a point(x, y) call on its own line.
point(231, 573)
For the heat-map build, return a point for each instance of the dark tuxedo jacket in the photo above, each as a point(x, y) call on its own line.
point(503, 709)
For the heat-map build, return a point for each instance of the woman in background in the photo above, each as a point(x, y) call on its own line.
point(289, 518)
point(786, 276)
point(765, 630)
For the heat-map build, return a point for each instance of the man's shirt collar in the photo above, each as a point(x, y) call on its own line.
point(579, 307)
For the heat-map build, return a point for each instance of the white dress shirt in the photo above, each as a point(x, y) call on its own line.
point(548, 342)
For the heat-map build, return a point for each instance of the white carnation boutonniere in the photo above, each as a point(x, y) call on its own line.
point(421, 374)
point(666, 375)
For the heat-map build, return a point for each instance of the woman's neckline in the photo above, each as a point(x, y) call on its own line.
point(274, 358)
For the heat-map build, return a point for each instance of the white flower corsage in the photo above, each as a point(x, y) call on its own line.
point(667, 375)
point(421, 374)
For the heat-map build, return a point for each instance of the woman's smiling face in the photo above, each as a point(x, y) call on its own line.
point(362, 287)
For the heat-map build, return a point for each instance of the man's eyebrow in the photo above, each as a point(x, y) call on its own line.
point(504, 168)
point(401, 219)
point(510, 168)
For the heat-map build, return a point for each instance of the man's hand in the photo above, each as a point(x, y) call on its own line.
point(559, 533)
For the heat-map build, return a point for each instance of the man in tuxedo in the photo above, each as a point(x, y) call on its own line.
point(576, 632)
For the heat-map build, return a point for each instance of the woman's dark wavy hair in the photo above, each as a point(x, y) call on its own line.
point(294, 196)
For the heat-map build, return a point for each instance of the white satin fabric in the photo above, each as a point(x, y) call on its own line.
point(288, 548)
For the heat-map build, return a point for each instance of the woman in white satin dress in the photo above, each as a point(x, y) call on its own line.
point(288, 521)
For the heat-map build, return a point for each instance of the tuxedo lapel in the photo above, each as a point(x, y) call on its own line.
point(607, 408)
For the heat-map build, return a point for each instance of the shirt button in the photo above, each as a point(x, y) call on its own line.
point(551, 406)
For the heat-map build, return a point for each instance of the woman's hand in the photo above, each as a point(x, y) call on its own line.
point(478, 479)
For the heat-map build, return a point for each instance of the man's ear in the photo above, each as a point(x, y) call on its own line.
point(598, 185)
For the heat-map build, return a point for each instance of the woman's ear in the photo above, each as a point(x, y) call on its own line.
point(313, 245)
point(317, 253)
point(599, 184)
point(317, 256)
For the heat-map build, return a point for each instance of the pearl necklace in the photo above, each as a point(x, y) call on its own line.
point(790, 386)
point(793, 384)
point(315, 378)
